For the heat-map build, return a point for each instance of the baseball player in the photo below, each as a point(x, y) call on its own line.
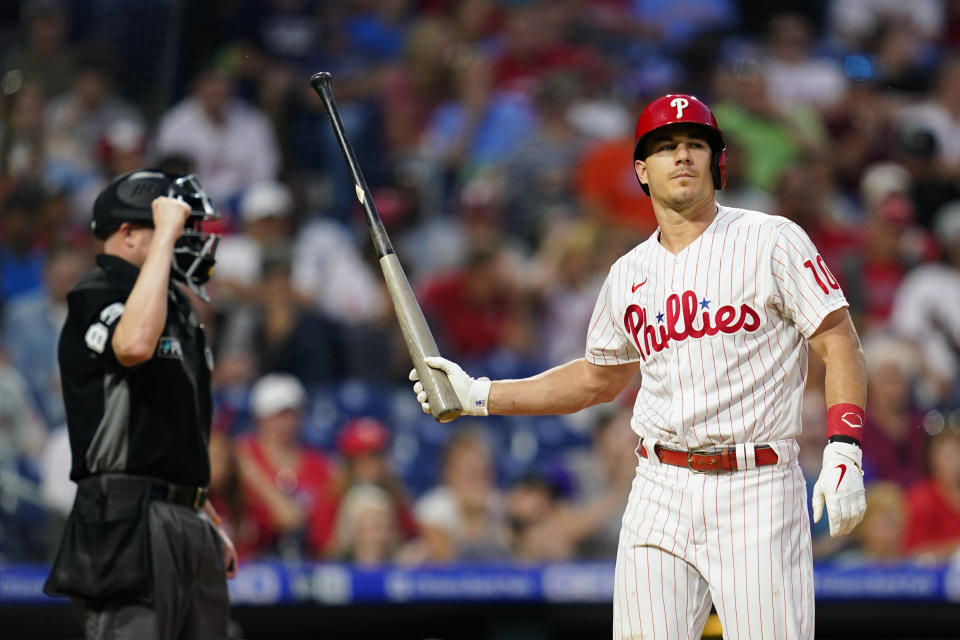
point(716, 310)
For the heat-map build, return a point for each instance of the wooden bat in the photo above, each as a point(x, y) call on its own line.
point(444, 404)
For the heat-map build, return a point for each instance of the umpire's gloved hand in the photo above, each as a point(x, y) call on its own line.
point(471, 392)
point(840, 486)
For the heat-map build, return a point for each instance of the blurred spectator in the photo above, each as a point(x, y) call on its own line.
point(23, 515)
point(930, 189)
point(229, 499)
point(608, 188)
point(22, 431)
point(738, 192)
point(477, 309)
point(57, 488)
point(879, 538)
point(801, 197)
point(894, 442)
point(477, 128)
point(540, 172)
point(679, 21)
point(265, 213)
point(288, 29)
point(933, 530)
point(772, 137)
point(862, 130)
point(940, 114)
point(533, 44)
point(278, 332)
point(566, 279)
point(329, 271)
point(873, 274)
point(853, 21)
point(21, 260)
point(23, 152)
point(602, 476)
point(44, 58)
point(902, 60)
point(289, 487)
point(31, 331)
point(120, 149)
point(414, 86)
point(793, 74)
point(363, 445)
point(926, 310)
point(536, 508)
point(231, 144)
point(463, 517)
point(367, 533)
point(78, 119)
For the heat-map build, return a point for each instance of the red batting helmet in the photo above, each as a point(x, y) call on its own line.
point(679, 108)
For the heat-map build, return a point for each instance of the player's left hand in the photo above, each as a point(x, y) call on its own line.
point(471, 392)
point(840, 487)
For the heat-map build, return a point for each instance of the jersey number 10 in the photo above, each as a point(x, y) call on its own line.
point(830, 280)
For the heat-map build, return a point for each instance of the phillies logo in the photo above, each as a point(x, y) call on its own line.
point(682, 311)
point(680, 104)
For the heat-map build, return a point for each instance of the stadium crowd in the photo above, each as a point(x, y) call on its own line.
point(496, 136)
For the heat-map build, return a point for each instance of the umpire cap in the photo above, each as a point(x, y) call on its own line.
point(129, 198)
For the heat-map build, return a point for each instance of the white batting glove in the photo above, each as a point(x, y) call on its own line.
point(471, 392)
point(840, 487)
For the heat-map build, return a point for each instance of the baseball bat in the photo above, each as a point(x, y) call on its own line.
point(444, 405)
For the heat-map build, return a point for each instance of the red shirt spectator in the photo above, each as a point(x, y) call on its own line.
point(288, 488)
point(364, 443)
point(934, 504)
point(474, 309)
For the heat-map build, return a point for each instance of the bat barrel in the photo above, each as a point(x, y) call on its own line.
point(444, 404)
point(322, 83)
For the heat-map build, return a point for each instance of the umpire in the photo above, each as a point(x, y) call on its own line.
point(142, 555)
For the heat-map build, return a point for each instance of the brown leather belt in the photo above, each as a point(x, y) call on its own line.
point(711, 460)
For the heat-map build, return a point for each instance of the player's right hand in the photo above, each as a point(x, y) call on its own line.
point(471, 392)
point(169, 215)
point(840, 488)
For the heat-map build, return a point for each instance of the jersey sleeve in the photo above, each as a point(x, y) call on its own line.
point(607, 339)
point(97, 314)
point(804, 288)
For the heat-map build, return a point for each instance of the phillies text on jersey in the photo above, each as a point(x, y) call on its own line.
point(718, 329)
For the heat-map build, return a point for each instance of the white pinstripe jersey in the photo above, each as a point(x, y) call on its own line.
point(719, 329)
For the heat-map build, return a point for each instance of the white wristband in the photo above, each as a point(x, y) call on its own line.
point(478, 396)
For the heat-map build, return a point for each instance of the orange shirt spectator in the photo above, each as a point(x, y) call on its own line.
point(608, 187)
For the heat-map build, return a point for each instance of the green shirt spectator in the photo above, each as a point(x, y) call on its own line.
point(771, 141)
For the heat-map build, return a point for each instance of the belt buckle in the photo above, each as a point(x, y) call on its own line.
point(199, 497)
point(707, 450)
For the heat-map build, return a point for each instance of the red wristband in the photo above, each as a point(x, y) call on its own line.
point(845, 420)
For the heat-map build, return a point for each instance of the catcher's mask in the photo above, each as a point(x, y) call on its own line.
point(129, 197)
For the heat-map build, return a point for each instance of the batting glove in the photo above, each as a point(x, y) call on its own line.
point(840, 487)
point(471, 392)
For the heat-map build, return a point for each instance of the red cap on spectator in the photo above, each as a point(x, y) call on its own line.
point(362, 435)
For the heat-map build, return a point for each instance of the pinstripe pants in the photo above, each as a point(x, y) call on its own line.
point(740, 541)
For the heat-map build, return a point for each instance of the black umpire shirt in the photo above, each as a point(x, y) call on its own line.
point(152, 419)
